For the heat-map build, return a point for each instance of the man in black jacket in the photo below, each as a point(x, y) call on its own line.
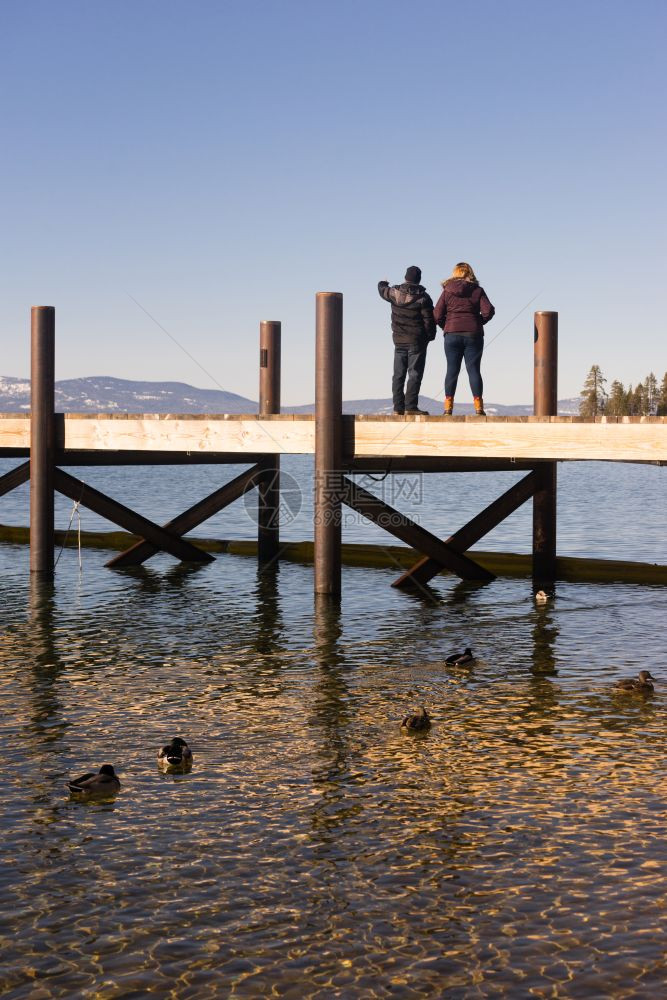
point(412, 327)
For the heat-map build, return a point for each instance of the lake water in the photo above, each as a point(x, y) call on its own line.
point(605, 510)
point(316, 850)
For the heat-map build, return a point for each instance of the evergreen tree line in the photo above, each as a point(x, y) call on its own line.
point(646, 399)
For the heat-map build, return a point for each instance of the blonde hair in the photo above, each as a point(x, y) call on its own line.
point(463, 270)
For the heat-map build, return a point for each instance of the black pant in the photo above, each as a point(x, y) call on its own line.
point(410, 361)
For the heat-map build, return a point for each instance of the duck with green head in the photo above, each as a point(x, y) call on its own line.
point(461, 659)
point(105, 782)
point(175, 756)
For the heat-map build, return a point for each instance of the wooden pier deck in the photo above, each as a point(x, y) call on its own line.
point(118, 437)
point(340, 444)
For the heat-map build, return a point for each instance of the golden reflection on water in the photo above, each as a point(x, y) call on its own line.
point(315, 849)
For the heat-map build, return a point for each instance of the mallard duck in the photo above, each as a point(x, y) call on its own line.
point(105, 782)
point(460, 659)
point(416, 720)
point(643, 683)
point(541, 597)
point(175, 756)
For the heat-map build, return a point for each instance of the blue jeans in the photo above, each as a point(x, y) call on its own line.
point(458, 347)
point(408, 361)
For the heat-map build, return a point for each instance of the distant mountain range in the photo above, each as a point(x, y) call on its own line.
point(103, 394)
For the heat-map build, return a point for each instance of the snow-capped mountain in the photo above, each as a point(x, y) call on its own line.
point(103, 394)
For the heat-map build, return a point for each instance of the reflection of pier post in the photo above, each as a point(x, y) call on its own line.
point(41, 647)
point(333, 696)
point(545, 634)
point(546, 405)
point(42, 439)
point(268, 617)
point(328, 441)
point(44, 666)
point(268, 501)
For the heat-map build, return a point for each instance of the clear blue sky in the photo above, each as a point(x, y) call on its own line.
point(222, 162)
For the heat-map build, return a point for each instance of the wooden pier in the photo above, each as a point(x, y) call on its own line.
point(423, 443)
point(341, 445)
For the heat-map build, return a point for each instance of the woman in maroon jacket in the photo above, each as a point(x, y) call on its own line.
point(461, 311)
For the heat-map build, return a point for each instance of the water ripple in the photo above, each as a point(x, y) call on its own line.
point(315, 849)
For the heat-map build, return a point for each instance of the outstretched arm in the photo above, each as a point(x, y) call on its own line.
point(383, 289)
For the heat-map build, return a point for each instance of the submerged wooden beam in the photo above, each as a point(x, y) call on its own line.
point(425, 569)
point(191, 518)
point(377, 556)
point(103, 505)
point(408, 531)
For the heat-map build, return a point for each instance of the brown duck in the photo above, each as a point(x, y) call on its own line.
point(643, 683)
point(416, 721)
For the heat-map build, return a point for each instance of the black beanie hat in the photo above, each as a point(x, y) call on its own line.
point(413, 275)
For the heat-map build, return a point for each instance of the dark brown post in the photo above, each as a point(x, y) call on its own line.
point(546, 364)
point(328, 440)
point(268, 504)
point(42, 439)
point(546, 405)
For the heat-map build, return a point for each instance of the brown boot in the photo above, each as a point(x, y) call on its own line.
point(479, 406)
point(449, 405)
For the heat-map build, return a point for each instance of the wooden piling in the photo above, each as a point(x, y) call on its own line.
point(545, 390)
point(268, 500)
point(546, 405)
point(42, 439)
point(328, 442)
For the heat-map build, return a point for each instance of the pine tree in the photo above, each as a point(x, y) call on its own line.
point(617, 403)
point(650, 394)
point(593, 394)
point(639, 400)
point(662, 401)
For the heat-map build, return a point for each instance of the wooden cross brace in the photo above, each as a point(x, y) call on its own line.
point(439, 555)
point(425, 569)
point(407, 530)
point(16, 477)
point(154, 538)
point(126, 518)
point(191, 518)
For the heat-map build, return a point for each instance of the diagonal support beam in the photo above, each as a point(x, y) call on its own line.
point(17, 477)
point(408, 531)
point(191, 518)
point(73, 488)
point(425, 569)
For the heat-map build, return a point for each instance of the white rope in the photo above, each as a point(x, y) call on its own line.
point(75, 511)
